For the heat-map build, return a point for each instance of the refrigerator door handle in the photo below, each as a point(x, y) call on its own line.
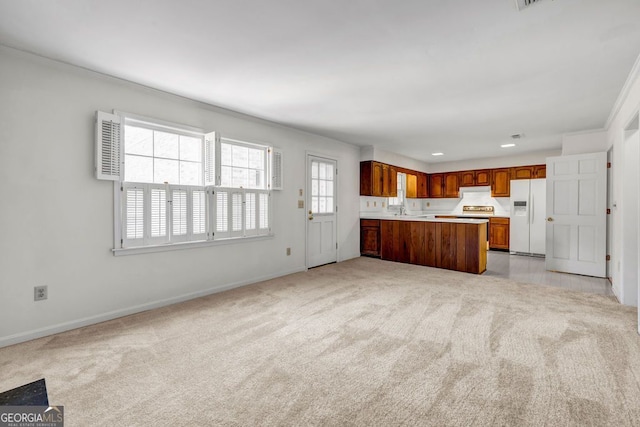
point(531, 210)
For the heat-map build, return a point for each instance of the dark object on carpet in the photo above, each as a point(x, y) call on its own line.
point(32, 394)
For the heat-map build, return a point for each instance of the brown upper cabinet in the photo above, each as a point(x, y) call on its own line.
point(412, 186)
point(500, 182)
point(436, 185)
point(483, 177)
point(423, 185)
point(522, 172)
point(452, 185)
point(467, 178)
point(529, 172)
point(475, 178)
point(378, 179)
point(389, 181)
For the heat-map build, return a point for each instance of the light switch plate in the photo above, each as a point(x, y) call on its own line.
point(300, 204)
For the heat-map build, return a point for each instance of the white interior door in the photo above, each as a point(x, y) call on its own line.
point(322, 247)
point(576, 214)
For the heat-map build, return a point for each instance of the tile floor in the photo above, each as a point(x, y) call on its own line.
point(529, 269)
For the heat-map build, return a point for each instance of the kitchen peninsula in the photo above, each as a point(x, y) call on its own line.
point(451, 243)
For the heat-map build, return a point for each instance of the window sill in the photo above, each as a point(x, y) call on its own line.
point(187, 245)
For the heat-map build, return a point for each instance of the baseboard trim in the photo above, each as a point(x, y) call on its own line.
point(92, 320)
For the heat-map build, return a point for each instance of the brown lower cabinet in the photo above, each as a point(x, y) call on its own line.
point(370, 237)
point(454, 246)
point(499, 233)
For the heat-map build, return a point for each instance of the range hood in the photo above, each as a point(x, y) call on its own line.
point(482, 189)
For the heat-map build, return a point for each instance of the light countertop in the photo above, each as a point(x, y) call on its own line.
point(421, 217)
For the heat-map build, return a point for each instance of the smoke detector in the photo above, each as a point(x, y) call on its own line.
point(522, 4)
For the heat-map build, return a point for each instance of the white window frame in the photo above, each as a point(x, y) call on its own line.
point(210, 157)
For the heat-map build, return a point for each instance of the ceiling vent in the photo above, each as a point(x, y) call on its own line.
point(523, 4)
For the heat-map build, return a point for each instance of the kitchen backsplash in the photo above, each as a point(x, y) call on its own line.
point(379, 204)
point(501, 205)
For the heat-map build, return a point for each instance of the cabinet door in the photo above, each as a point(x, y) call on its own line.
point(499, 233)
point(370, 237)
point(500, 182)
point(366, 173)
point(436, 185)
point(393, 182)
point(412, 186)
point(423, 185)
point(483, 177)
point(376, 180)
point(540, 171)
point(389, 181)
point(522, 172)
point(467, 178)
point(452, 185)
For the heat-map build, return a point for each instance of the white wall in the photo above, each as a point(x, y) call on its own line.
point(534, 158)
point(593, 141)
point(57, 219)
point(625, 110)
point(380, 155)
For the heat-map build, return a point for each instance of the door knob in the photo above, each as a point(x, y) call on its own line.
point(310, 215)
point(550, 219)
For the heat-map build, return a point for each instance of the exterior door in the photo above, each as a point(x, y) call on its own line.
point(322, 247)
point(576, 214)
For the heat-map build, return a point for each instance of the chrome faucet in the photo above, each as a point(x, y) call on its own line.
point(403, 211)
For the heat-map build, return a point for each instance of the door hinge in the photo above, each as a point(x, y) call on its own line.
point(336, 171)
point(336, 208)
point(608, 257)
point(121, 188)
point(121, 242)
point(336, 245)
point(608, 211)
point(608, 165)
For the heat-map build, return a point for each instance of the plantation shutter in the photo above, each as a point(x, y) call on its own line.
point(158, 222)
point(198, 215)
point(263, 213)
point(179, 215)
point(236, 213)
point(210, 159)
point(250, 214)
point(222, 214)
point(275, 168)
point(133, 230)
point(108, 146)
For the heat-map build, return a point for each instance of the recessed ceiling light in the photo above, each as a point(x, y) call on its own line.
point(507, 145)
point(437, 154)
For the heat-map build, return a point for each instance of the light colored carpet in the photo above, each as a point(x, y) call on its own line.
point(364, 342)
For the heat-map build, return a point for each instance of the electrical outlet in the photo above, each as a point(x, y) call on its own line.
point(40, 293)
point(300, 192)
point(428, 204)
point(375, 204)
point(288, 251)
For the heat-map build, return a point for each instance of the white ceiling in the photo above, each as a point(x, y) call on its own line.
point(410, 76)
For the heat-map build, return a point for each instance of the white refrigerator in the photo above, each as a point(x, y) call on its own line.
point(527, 226)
